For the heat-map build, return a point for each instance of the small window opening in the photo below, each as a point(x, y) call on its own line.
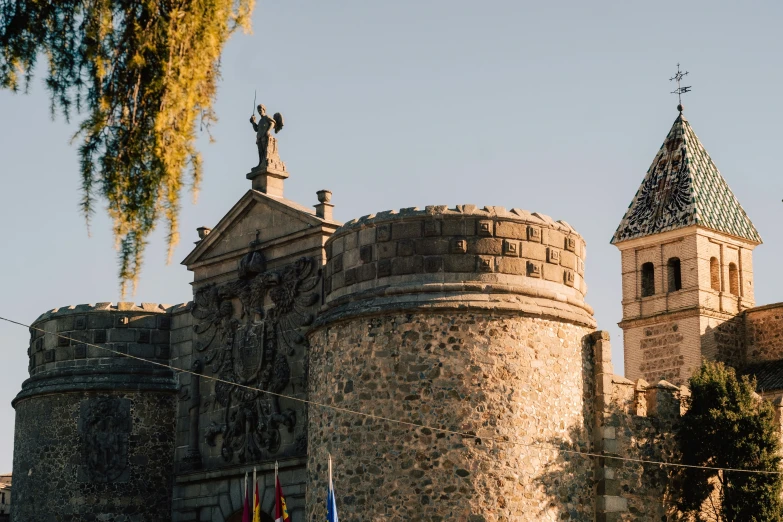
point(733, 279)
point(674, 273)
point(714, 274)
point(648, 279)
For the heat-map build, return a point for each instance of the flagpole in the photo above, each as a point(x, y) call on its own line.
point(331, 503)
point(246, 516)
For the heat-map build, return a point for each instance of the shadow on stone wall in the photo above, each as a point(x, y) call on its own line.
point(727, 341)
point(568, 479)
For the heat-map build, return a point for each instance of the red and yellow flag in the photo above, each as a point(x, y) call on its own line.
point(256, 506)
point(281, 511)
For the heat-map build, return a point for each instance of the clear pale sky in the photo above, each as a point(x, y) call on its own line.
point(552, 107)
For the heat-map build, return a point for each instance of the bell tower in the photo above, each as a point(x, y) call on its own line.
point(686, 245)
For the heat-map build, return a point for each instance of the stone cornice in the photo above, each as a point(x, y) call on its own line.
point(676, 315)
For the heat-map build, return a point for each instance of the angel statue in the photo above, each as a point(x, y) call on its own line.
point(263, 129)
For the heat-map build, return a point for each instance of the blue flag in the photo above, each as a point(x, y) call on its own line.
point(331, 502)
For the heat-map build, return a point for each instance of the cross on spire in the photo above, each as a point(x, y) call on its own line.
point(680, 90)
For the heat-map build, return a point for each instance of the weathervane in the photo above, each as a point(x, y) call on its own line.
point(679, 91)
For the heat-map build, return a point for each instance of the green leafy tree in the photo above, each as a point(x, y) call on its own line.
point(728, 426)
point(143, 73)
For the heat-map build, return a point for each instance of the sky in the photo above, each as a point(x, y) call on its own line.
point(554, 107)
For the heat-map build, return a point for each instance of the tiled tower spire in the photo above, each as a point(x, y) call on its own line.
point(683, 187)
point(686, 246)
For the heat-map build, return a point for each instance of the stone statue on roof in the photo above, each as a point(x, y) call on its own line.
point(267, 144)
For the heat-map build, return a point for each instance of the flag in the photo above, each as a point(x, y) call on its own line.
point(246, 507)
point(331, 502)
point(257, 501)
point(281, 510)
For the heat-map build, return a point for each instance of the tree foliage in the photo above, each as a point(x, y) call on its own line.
point(728, 426)
point(143, 73)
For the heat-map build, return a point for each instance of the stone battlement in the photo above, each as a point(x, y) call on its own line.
point(440, 258)
point(122, 306)
point(81, 345)
point(460, 210)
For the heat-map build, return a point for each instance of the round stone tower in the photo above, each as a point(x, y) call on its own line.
point(95, 430)
point(468, 320)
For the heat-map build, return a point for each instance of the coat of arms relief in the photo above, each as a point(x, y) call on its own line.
point(248, 332)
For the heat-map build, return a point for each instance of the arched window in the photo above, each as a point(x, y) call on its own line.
point(714, 274)
point(648, 279)
point(733, 279)
point(674, 274)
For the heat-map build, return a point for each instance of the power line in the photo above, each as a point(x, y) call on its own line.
point(498, 440)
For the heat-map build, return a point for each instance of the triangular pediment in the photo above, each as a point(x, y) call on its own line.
point(258, 218)
point(682, 188)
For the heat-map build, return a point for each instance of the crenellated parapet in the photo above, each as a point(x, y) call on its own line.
point(70, 344)
point(440, 257)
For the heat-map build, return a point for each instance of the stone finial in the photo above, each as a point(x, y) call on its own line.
point(324, 208)
point(324, 196)
point(203, 232)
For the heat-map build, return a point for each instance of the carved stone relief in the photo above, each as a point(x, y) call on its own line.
point(104, 427)
point(247, 329)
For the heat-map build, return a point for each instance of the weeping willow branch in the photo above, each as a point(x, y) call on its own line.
point(143, 73)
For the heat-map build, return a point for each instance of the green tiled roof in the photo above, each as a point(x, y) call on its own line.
point(683, 187)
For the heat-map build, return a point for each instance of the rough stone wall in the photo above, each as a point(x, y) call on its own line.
point(499, 376)
point(94, 434)
point(633, 420)
point(764, 333)
point(49, 481)
point(464, 319)
point(724, 339)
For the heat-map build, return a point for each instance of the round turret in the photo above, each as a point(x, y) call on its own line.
point(95, 429)
point(468, 320)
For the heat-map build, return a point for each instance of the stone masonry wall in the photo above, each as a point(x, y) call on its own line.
point(634, 420)
point(94, 434)
point(499, 376)
point(464, 319)
point(515, 251)
point(764, 333)
point(664, 349)
point(49, 461)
